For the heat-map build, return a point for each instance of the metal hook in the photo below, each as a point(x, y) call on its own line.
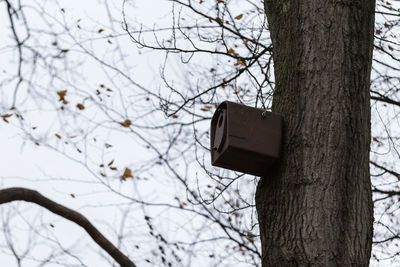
point(264, 114)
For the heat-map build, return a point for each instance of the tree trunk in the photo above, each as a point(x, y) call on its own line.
point(315, 208)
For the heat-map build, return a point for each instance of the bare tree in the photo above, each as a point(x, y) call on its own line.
point(80, 73)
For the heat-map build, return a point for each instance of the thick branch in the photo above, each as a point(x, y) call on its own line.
point(385, 99)
point(395, 174)
point(389, 193)
point(13, 194)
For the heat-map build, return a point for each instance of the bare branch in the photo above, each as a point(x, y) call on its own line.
point(24, 194)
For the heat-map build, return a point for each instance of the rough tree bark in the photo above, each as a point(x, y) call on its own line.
point(315, 208)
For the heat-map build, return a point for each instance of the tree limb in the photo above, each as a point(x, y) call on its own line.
point(385, 99)
point(13, 194)
point(395, 174)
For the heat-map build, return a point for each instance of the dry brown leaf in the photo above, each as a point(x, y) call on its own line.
point(126, 123)
point(80, 106)
point(127, 174)
point(231, 51)
point(239, 62)
point(5, 116)
point(239, 16)
point(62, 95)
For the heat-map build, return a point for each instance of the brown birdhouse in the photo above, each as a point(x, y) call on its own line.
point(244, 138)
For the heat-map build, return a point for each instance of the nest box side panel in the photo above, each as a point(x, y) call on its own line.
point(249, 130)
